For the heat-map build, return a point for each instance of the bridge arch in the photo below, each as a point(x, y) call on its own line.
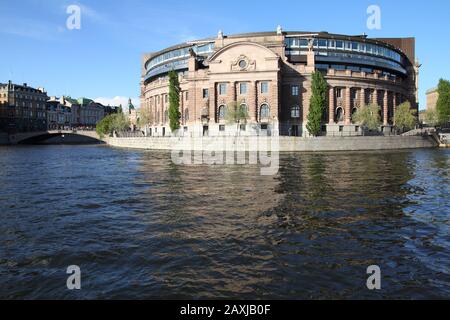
point(65, 137)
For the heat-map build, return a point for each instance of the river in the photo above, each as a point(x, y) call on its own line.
point(141, 227)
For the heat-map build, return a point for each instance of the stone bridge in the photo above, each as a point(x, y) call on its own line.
point(30, 137)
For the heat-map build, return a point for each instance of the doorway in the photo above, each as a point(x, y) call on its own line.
point(205, 131)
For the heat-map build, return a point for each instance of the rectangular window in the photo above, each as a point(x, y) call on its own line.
point(222, 89)
point(222, 128)
point(243, 88)
point(303, 43)
point(339, 93)
point(295, 91)
point(264, 87)
point(339, 44)
point(205, 93)
point(187, 95)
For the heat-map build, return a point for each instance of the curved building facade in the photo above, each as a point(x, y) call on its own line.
point(269, 74)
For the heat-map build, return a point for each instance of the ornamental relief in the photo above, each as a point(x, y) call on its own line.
point(243, 63)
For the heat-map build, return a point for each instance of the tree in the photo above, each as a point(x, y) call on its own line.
point(174, 101)
point(111, 123)
point(317, 103)
point(443, 103)
point(104, 126)
point(405, 118)
point(120, 122)
point(237, 113)
point(368, 116)
point(145, 117)
point(431, 117)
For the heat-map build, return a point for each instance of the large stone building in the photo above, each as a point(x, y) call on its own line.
point(59, 114)
point(82, 112)
point(22, 108)
point(269, 74)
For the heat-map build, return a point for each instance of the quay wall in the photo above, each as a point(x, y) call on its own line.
point(282, 144)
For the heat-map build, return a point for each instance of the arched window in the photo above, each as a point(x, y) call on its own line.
point(354, 110)
point(295, 112)
point(264, 112)
point(339, 115)
point(243, 109)
point(186, 115)
point(222, 112)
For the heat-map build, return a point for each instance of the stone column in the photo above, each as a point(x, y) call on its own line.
point(375, 97)
point(163, 110)
point(274, 101)
point(385, 108)
point(331, 106)
point(394, 105)
point(252, 100)
point(212, 103)
point(232, 93)
point(362, 97)
point(182, 109)
point(348, 106)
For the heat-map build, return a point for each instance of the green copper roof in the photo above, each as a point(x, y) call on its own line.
point(130, 104)
point(84, 101)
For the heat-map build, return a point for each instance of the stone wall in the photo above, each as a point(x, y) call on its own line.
point(282, 144)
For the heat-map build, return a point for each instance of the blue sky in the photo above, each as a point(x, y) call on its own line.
point(102, 59)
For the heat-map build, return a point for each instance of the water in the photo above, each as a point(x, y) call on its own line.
point(141, 227)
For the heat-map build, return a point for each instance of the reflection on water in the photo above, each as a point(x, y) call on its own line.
point(141, 227)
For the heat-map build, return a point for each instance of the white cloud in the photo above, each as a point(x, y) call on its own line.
point(116, 101)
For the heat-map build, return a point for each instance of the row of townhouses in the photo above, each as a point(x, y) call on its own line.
point(23, 108)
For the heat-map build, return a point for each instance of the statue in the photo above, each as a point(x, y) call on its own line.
point(279, 30)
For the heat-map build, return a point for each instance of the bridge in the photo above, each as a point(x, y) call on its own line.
point(36, 137)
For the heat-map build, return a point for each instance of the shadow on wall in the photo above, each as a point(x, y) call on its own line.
point(60, 139)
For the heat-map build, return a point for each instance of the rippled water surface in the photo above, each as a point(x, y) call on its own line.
point(141, 227)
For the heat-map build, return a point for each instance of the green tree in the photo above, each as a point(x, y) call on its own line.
point(317, 104)
point(431, 117)
point(104, 126)
point(145, 117)
point(443, 103)
point(368, 116)
point(174, 101)
point(120, 123)
point(237, 113)
point(114, 122)
point(405, 118)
